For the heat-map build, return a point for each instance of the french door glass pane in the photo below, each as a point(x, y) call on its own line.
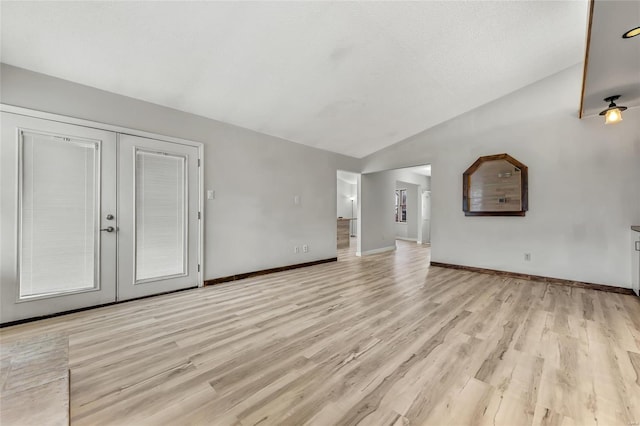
point(161, 204)
point(58, 209)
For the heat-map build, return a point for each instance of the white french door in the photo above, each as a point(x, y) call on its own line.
point(58, 188)
point(90, 216)
point(158, 210)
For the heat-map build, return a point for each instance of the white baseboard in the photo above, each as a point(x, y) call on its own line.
point(406, 239)
point(376, 251)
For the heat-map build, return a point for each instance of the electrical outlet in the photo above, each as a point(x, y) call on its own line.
point(296, 249)
point(527, 257)
point(305, 248)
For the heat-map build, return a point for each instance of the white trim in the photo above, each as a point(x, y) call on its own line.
point(133, 132)
point(117, 207)
point(407, 239)
point(94, 124)
point(376, 251)
point(201, 213)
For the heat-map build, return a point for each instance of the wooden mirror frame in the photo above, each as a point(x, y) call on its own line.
point(524, 187)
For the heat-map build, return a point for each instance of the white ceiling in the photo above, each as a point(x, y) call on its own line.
point(614, 62)
point(349, 77)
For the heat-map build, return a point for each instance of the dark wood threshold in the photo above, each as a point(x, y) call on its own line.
point(559, 281)
point(267, 271)
point(73, 311)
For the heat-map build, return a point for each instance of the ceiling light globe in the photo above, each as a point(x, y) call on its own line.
point(613, 116)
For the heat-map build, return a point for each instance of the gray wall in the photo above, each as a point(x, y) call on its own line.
point(377, 204)
point(584, 184)
point(583, 188)
point(413, 178)
point(253, 223)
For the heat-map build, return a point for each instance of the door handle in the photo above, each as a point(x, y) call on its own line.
point(108, 229)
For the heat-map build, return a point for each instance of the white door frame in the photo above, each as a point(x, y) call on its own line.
point(119, 129)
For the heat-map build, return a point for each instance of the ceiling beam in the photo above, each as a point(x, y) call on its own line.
point(586, 57)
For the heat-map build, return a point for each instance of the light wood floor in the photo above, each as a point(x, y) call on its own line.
point(380, 340)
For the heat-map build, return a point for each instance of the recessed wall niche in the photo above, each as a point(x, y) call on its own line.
point(495, 185)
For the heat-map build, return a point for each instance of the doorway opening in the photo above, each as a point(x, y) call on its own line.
point(413, 204)
point(347, 208)
point(395, 212)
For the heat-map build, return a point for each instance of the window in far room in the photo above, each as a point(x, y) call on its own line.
point(401, 205)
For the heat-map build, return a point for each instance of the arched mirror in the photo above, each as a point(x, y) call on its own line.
point(495, 185)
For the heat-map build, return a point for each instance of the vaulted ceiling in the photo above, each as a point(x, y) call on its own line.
point(349, 77)
point(613, 65)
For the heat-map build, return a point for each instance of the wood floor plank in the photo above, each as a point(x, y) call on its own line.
point(376, 340)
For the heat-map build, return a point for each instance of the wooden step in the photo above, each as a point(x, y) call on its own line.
point(34, 381)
